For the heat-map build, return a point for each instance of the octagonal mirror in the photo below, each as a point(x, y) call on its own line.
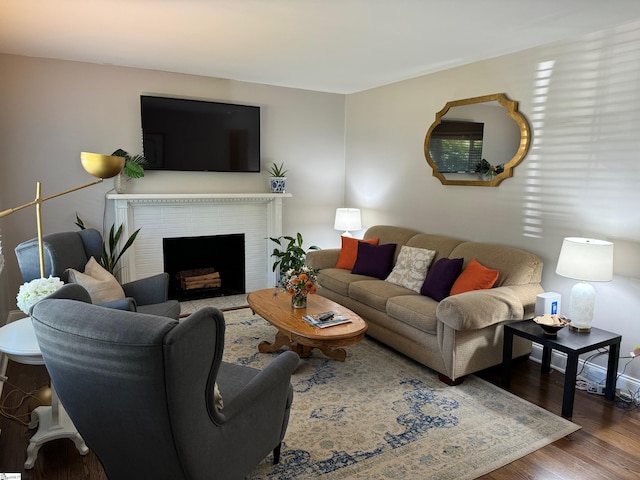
point(477, 141)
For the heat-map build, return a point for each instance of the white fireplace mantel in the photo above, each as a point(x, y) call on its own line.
point(257, 215)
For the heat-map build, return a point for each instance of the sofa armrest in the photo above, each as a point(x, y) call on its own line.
point(482, 308)
point(320, 259)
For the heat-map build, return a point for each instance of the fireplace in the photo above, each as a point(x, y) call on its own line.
point(172, 215)
point(204, 266)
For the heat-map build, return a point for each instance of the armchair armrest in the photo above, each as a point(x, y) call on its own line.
point(150, 290)
point(264, 392)
point(482, 308)
point(320, 259)
point(128, 304)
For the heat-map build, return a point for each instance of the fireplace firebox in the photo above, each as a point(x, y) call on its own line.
point(205, 266)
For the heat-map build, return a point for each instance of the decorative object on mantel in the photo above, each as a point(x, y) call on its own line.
point(110, 256)
point(347, 219)
point(133, 168)
point(278, 178)
point(100, 166)
point(299, 284)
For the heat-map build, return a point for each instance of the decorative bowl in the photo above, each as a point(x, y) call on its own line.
point(551, 324)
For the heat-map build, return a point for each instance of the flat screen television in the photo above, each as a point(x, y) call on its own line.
point(197, 135)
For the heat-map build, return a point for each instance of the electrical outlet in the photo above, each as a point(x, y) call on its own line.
point(635, 352)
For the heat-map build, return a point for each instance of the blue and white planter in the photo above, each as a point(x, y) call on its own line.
point(278, 184)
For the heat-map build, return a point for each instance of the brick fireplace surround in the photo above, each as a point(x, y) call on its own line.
point(257, 215)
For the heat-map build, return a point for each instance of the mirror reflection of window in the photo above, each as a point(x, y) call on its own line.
point(456, 146)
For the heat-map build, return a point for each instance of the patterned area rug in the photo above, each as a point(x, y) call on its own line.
point(379, 415)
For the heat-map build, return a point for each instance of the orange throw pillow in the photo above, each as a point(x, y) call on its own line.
point(349, 251)
point(474, 277)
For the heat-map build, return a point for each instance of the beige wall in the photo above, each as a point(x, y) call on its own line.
point(580, 178)
point(52, 110)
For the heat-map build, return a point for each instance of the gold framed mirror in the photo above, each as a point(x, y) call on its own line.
point(477, 141)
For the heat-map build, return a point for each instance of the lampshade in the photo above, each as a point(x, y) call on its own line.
point(347, 219)
point(586, 259)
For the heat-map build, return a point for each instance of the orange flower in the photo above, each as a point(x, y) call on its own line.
point(303, 277)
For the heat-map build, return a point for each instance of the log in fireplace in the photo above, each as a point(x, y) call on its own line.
point(205, 266)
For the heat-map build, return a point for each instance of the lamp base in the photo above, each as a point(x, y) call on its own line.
point(581, 305)
point(580, 329)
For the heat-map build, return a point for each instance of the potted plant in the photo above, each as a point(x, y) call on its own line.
point(110, 254)
point(133, 168)
point(278, 178)
point(289, 254)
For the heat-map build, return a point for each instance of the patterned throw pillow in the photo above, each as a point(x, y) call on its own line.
point(411, 267)
point(101, 285)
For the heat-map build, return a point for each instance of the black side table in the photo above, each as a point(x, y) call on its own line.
point(573, 344)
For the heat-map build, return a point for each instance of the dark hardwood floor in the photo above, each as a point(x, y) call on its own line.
point(607, 446)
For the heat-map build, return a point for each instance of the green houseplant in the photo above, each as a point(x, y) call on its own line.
point(110, 256)
point(133, 165)
point(289, 254)
point(278, 178)
point(133, 168)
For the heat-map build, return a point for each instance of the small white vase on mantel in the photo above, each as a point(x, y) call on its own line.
point(120, 182)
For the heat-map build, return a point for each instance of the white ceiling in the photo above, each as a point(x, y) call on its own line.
point(340, 46)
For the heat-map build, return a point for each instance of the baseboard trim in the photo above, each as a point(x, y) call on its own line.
point(559, 362)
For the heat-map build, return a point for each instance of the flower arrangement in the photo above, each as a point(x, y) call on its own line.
point(299, 284)
point(302, 282)
point(32, 292)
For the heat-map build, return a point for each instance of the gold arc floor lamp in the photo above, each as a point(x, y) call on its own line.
point(98, 165)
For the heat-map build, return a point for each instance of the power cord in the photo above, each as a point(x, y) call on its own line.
point(9, 411)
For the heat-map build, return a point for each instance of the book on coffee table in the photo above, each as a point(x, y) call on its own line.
point(325, 319)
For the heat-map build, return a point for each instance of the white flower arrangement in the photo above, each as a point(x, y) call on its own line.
point(32, 292)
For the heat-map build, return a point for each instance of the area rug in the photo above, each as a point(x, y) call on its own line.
point(380, 415)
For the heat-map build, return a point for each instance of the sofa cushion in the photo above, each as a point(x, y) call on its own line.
point(338, 280)
point(101, 285)
point(375, 293)
point(374, 260)
point(516, 267)
point(411, 267)
point(441, 277)
point(349, 251)
point(441, 244)
point(475, 276)
point(415, 310)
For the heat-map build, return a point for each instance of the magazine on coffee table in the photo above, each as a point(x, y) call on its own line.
point(325, 319)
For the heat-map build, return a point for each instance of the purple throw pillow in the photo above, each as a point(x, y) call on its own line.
point(441, 277)
point(374, 260)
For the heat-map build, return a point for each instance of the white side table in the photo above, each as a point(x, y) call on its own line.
point(18, 341)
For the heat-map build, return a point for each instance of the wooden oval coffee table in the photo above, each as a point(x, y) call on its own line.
point(274, 305)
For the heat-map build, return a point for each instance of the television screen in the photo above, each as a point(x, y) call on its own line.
point(196, 135)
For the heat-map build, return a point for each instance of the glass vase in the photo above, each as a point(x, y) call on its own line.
point(299, 301)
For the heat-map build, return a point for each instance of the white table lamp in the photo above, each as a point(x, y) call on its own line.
point(587, 260)
point(347, 219)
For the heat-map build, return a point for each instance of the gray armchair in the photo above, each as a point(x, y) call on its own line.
point(140, 390)
point(73, 249)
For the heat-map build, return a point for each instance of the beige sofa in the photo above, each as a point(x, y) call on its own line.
point(460, 334)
